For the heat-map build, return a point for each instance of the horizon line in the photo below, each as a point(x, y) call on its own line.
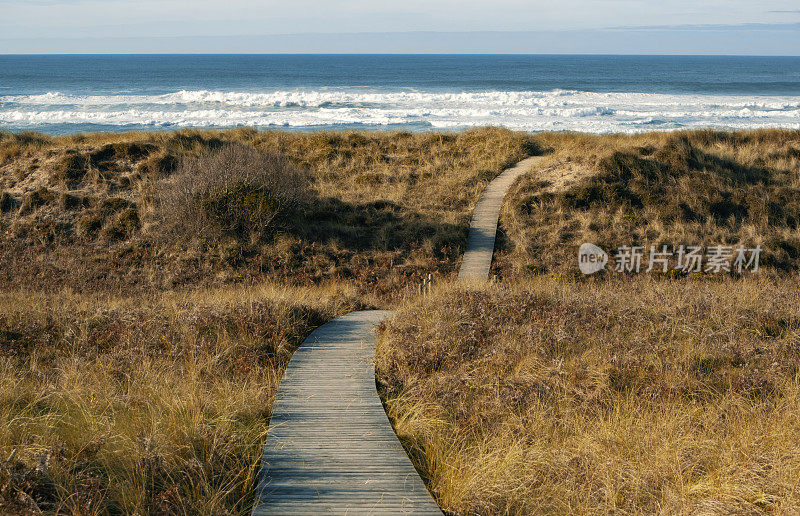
point(409, 54)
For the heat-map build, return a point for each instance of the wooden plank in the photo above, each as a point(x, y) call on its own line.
point(477, 260)
point(331, 448)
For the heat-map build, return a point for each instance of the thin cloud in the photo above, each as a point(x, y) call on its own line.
point(712, 27)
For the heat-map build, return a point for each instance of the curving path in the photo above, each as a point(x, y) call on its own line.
point(480, 243)
point(331, 448)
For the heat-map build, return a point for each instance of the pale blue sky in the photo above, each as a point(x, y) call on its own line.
point(582, 26)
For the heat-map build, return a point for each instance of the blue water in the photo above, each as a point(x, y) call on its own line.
point(67, 94)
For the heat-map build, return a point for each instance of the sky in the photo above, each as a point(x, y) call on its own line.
point(763, 27)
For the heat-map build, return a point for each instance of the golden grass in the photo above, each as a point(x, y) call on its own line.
point(145, 404)
point(629, 396)
point(695, 188)
point(386, 210)
point(150, 392)
point(616, 394)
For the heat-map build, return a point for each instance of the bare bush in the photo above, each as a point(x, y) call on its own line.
point(235, 191)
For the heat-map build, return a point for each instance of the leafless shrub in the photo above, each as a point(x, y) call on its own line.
point(235, 191)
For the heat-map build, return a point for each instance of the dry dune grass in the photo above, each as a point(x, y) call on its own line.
point(150, 391)
point(146, 404)
point(383, 210)
point(627, 396)
point(616, 394)
point(695, 188)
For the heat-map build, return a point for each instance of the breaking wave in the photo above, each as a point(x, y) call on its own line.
point(557, 110)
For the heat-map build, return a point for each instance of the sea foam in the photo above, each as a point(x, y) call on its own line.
point(558, 110)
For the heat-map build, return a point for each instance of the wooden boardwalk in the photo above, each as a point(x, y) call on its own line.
point(482, 230)
point(331, 448)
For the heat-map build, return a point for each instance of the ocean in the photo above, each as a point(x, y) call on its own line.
point(63, 94)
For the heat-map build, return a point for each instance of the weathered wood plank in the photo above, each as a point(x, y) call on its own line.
point(477, 260)
point(331, 448)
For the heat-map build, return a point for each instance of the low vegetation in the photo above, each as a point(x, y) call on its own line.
point(203, 258)
point(147, 404)
point(555, 393)
point(235, 192)
point(154, 286)
point(697, 188)
point(156, 211)
point(623, 396)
